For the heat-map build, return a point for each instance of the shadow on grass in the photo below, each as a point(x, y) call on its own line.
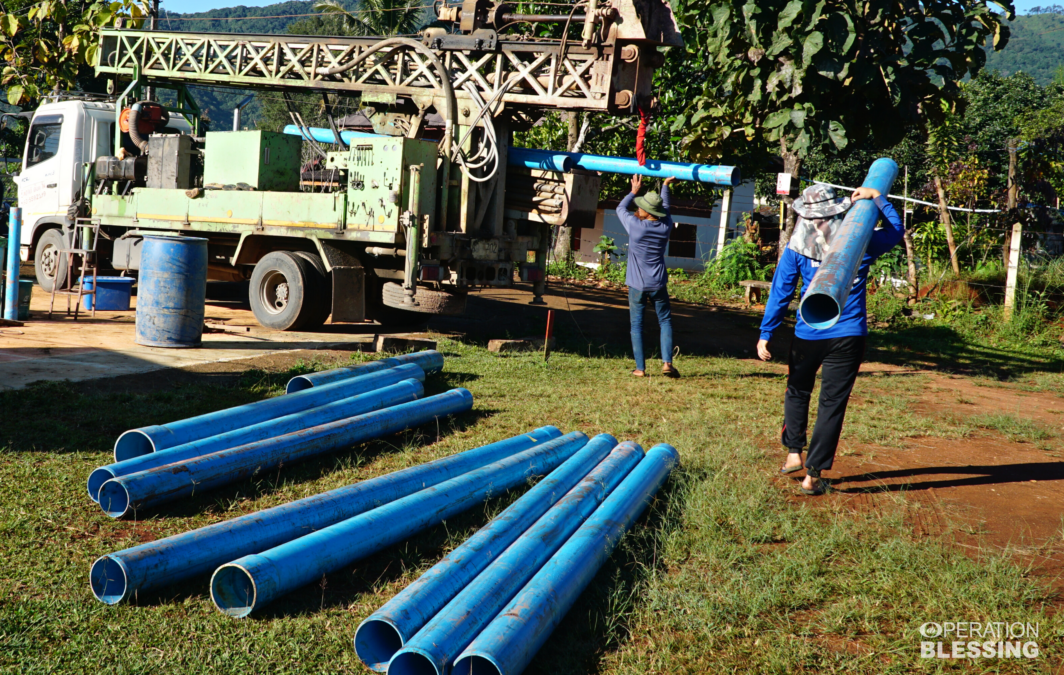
point(943, 348)
point(980, 475)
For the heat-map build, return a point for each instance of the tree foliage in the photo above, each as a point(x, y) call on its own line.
point(47, 44)
point(378, 17)
point(811, 73)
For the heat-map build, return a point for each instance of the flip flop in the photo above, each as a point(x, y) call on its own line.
point(670, 371)
point(794, 469)
point(821, 488)
point(644, 373)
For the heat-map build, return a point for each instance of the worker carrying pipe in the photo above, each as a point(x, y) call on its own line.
point(833, 245)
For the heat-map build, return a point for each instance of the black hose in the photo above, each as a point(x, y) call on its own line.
point(134, 132)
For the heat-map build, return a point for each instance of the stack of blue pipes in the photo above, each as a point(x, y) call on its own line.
point(487, 607)
point(319, 413)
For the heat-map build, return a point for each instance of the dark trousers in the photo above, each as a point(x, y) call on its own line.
point(841, 359)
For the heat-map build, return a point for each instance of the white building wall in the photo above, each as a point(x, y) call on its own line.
point(707, 231)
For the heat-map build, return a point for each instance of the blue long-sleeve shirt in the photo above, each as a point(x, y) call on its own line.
point(854, 319)
point(647, 242)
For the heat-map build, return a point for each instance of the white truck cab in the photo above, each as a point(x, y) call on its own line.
point(63, 136)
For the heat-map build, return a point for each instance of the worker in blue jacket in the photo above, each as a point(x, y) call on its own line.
point(647, 279)
point(839, 349)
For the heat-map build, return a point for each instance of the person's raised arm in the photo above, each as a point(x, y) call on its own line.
point(665, 194)
point(888, 237)
point(623, 214)
point(784, 281)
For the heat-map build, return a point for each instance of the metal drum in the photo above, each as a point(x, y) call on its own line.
point(172, 291)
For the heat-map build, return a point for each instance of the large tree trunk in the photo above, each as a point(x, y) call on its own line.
point(792, 164)
point(944, 217)
point(563, 243)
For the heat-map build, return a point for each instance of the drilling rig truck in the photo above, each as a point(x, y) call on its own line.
point(391, 225)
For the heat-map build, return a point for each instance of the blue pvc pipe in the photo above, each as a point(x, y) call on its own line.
point(402, 392)
point(547, 160)
point(166, 483)
point(145, 440)
point(390, 627)
point(14, 234)
point(253, 581)
point(119, 576)
point(562, 162)
point(433, 648)
point(510, 641)
point(430, 360)
point(823, 301)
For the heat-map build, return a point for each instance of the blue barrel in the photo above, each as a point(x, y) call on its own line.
point(172, 291)
point(112, 293)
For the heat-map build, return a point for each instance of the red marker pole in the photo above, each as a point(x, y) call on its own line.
point(550, 333)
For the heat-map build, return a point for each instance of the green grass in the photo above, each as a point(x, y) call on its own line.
point(1012, 427)
point(726, 573)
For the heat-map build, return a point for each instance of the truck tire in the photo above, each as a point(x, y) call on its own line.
point(280, 292)
point(429, 301)
point(46, 260)
point(320, 290)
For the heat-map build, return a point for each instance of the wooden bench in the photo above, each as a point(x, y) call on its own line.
point(754, 290)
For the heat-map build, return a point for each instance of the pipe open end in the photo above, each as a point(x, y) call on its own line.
point(233, 591)
point(298, 384)
point(476, 665)
point(413, 663)
point(108, 580)
point(133, 443)
point(114, 500)
point(376, 642)
point(96, 480)
point(819, 311)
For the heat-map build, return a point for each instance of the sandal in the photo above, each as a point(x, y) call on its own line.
point(639, 373)
point(794, 469)
point(668, 370)
point(821, 486)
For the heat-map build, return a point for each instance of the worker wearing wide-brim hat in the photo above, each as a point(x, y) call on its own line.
point(647, 279)
point(839, 349)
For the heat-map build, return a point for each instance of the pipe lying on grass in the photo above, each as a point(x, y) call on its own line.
point(401, 392)
point(509, 642)
point(253, 581)
point(390, 627)
point(121, 575)
point(430, 360)
point(433, 648)
point(146, 440)
point(822, 303)
point(166, 483)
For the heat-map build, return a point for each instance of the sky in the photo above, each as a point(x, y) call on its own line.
point(189, 6)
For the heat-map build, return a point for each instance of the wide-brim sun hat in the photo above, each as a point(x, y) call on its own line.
point(651, 203)
point(820, 201)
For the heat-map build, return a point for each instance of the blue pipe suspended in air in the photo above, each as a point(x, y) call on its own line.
point(550, 160)
point(247, 584)
point(436, 645)
point(121, 575)
point(390, 627)
point(510, 641)
point(822, 303)
point(430, 360)
point(401, 392)
point(166, 483)
point(146, 440)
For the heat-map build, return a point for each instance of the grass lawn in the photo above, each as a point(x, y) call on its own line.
point(729, 572)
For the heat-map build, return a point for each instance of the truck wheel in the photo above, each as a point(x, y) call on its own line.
point(429, 301)
point(279, 292)
point(320, 290)
point(46, 260)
